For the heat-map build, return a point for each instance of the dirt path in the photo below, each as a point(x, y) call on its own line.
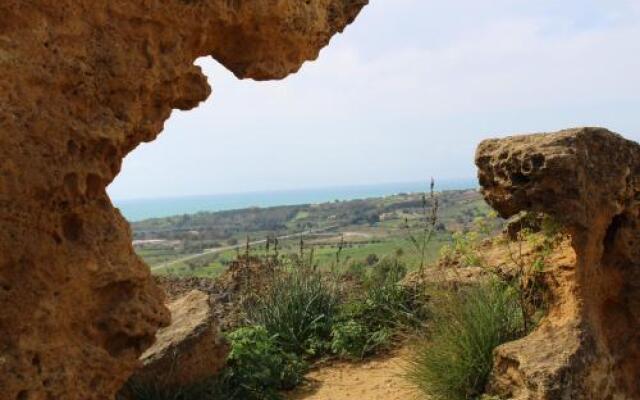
point(377, 379)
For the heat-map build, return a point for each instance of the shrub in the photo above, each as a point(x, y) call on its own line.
point(463, 249)
point(354, 339)
point(455, 362)
point(356, 270)
point(257, 367)
point(396, 304)
point(388, 307)
point(527, 276)
point(388, 270)
point(372, 259)
point(298, 308)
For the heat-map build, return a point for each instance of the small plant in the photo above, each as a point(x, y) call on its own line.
point(257, 367)
point(528, 268)
point(464, 249)
point(395, 304)
point(389, 270)
point(455, 361)
point(421, 237)
point(339, 252)
point(354, 339)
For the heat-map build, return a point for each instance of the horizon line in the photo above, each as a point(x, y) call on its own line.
point(345, 186)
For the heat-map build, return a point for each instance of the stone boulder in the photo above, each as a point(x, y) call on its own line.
point(235, 289)
point(83, 83)
point(188, 351)
point(589, 180)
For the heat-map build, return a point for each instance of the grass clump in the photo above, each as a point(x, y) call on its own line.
point(454, 363)
point(298, 309)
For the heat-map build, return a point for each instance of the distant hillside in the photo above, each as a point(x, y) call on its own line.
point(456, 208)
point(203, 244)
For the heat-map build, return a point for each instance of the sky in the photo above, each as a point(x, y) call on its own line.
point(405, 93)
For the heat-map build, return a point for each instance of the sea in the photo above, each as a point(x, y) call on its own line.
point(145, 208)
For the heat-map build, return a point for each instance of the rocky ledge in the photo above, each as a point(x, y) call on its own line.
point(83, 82)
point(589, 180)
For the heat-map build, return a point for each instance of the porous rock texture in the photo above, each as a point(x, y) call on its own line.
point(188, 351)
point(82, 83)
point(588, 179)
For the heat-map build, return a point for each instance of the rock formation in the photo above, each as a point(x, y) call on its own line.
point(188, 351)
point(230, 293)
point(82, 83)
point(589, 180)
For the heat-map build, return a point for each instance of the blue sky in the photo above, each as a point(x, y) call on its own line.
point(407, 92)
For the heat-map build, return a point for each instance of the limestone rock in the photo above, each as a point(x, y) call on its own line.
point(241, 283)
point(189, 350)
point(82, 83)
point(588, 179)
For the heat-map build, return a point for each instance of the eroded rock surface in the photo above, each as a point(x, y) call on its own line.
point(189, 350)
point(588, 179)
point(82, 83)
point(230, 293)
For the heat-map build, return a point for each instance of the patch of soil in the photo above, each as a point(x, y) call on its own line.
point(379, 378)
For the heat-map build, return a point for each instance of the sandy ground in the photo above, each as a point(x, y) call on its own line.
point(377, 379)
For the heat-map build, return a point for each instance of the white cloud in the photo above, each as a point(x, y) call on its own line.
point(409, 89)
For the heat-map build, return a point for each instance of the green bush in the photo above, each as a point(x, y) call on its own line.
point(463, 249)
point(298, 309)
point(257, 367)
point(455, 361)
point(387, 270)
point(388, 307)
point(356, 270)
point(354, 338)
point(372, 259)
point(390, 302)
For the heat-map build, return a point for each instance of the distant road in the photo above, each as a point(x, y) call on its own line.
point(237, 246)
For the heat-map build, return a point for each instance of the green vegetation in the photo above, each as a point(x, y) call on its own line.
point(528, 268)
point(305, 314)
point(341, 290)
point(385, 309)
point(463, 249)
point(427, 224)
point(203, 244)
point(257, 367)
point(298, 310)
point(467, 324)
point(455, 361)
